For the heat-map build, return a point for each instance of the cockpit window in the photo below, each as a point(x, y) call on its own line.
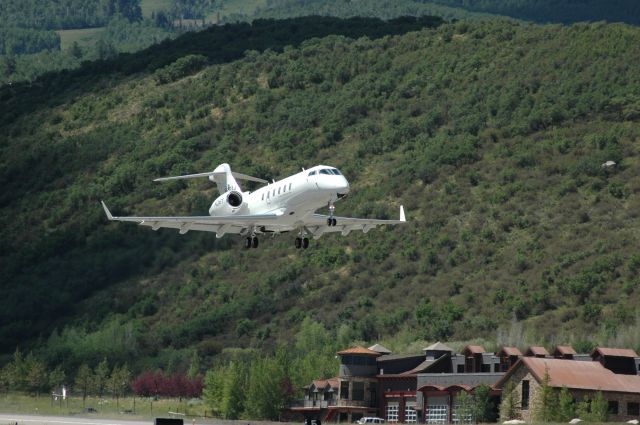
point(336, 172)
point(313, 173)
point(325, 171)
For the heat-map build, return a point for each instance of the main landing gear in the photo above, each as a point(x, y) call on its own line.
point(331, 221)
point(302, 243)
point(251, 242)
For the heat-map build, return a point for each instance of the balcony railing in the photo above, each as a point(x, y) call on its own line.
point(323, 404)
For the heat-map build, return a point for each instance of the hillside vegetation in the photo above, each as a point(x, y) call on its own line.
point(491, 134)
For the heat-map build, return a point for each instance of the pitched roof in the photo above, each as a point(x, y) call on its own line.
point(438, 346)
point(536, 351)
point(614, 352)
point(390, 357)
point(564, 350)
point(575, 375)
point(322, 383)
point(380, 349)
point(474, 349)
point(358, 350)
point(425, 366)
point(510, 351)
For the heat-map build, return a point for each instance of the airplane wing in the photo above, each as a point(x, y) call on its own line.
point(219, 225)
point(317, 224)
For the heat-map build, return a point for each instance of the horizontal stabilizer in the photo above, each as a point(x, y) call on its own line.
point(238, 176)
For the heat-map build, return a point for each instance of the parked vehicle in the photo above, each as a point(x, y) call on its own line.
point(370, 420)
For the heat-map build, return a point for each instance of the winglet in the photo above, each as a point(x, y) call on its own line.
point(402, 217)
point(106, 210)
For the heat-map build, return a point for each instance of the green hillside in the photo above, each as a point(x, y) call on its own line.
point(491, 134)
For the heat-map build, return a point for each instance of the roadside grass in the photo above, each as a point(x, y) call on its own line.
point(140, 408)
point(85, 37)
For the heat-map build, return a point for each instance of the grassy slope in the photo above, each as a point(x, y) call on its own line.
point(86, 37)
point(490, 134)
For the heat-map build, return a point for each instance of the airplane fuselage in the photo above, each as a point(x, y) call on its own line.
point(293, 197)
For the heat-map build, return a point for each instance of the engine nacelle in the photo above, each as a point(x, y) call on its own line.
point(231, 202)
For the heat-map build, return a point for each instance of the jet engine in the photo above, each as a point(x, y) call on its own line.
point(234, 199)
point(231, 202)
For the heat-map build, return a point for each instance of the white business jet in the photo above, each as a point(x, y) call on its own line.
point(281, 206)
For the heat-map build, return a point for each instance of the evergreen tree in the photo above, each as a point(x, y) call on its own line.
point(599, 408)
point(101, 375)
point(36, 378)
point(546, 408)
point(509, 408)
point(566, 410)
point(57, 377)
point(233, 395)
point(194, 365)
point(483, 406)
point(84, 381)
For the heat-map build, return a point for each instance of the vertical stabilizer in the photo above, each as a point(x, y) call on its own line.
point(223, 178)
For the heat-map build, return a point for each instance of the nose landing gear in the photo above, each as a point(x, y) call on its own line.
point(331, 221)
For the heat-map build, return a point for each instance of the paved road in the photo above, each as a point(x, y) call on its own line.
point(9, 419)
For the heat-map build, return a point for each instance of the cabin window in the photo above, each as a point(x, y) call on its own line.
point(289, 186)
point(263, 196)
point(525, 395)
point(274, 192)
point(278, 191)
point(284, 188)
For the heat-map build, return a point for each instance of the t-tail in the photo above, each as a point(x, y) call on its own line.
point(223, 177)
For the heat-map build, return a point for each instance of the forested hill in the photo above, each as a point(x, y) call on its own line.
point(559, 11)
point(491, 134)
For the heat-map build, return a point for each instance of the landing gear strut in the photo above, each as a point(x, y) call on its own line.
point(302, 243)
point(251, 242)
point(331, 221)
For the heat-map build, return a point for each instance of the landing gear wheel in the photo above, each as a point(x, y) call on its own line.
point(334, 222)
point(298, 243)
point(247, 243)
point(329, 222)
point(305, 243)
point(255, 241)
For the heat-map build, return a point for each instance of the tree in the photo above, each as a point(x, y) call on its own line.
point(194, 365)
point(483, 406)
point(57, 377)
point(101, 375)
point(509, 406)
point(232, 403)
point(36, 374)
point(84, 381)
point(599, 408)
point(465, 407)
point(566, 410)
point(546, 407)
point(213, 389)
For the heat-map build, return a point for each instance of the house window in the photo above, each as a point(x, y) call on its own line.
point(633, 409)
point(358, 391)
point(613, 407)
point(496, 367)
point(392, 413)
point(525, 395)
point(460, 368)
point(344, 390)
point(485, 368)
point(410, 415)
